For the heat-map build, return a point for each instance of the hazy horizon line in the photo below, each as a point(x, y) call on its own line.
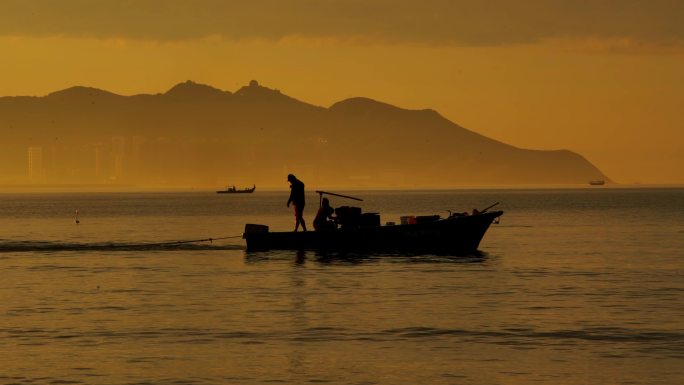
point(65, 188)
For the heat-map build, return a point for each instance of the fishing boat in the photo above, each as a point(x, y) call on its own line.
point(233, 190)
point(597, 182)
point(456, 234)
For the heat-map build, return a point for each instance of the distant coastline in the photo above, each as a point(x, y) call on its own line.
point(196, 134)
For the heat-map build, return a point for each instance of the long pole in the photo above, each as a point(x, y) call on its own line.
point(338, 195)
point(485, 210)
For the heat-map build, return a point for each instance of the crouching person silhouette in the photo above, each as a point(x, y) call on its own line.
point(324, 219)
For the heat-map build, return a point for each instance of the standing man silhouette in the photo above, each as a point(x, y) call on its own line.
point(297, 200)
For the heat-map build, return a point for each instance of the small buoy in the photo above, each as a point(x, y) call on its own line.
point(76, 218)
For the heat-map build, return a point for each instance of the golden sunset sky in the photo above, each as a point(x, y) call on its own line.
point(603, 78)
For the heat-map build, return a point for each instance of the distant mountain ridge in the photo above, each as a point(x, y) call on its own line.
point(81, 92)
point(196, 134)
point(190, 89)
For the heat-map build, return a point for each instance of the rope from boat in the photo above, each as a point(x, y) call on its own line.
point(192, 241)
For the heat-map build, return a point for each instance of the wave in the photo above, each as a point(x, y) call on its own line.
point(346, 334)
point(655, 342)
point(613, 334)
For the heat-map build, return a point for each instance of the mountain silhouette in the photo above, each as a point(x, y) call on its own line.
point(79, 93)
point(195, 134)
point(190, 89)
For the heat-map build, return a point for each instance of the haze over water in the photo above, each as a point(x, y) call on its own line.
point(575, 286)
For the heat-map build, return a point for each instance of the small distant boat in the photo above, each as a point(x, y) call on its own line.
point(597, 182)
point(233, 190)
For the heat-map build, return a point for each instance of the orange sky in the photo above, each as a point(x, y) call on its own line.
point(604, 79)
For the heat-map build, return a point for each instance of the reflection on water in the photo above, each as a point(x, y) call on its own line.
point(347, 258)
point(573, 287)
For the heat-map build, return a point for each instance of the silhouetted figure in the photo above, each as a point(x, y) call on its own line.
point(324, 219)
point(297, 200)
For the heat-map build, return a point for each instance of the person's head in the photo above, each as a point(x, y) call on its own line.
point(325, 202)
point(291, 178)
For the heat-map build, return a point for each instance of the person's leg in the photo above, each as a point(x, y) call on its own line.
point(297, 216)
point(300, 217)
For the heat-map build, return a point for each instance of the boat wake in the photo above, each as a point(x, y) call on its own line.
point(50, 246)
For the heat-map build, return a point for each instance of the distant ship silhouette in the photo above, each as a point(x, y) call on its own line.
point(233, 190)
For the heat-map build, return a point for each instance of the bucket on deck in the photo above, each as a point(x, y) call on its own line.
point(408, 220)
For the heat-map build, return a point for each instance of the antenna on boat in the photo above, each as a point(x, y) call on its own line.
point(320, 196)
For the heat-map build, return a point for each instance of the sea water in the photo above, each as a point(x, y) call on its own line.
point(573, 286)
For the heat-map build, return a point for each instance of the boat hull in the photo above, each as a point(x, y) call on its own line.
point(460, 235)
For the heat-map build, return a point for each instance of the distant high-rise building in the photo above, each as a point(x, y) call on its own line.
point(99, 161)
point(118, 154)
point(35, 163)
point(118, 145)
point(135, 164)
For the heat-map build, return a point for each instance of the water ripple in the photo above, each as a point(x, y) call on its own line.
point(671, 342)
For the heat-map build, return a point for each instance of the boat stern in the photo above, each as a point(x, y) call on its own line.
point(256, 236)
